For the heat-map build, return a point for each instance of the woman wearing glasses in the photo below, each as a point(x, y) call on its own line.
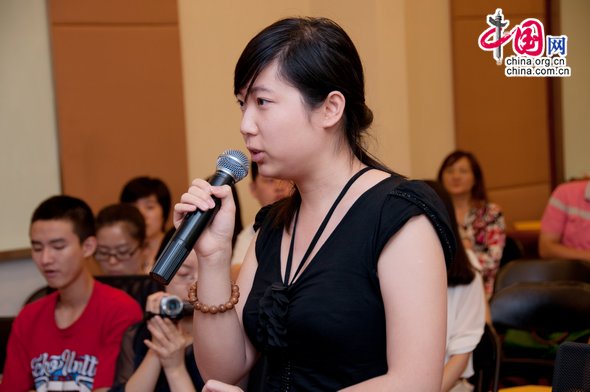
point(121, 235)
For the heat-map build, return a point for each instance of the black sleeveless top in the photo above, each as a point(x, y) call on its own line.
point(327, 330)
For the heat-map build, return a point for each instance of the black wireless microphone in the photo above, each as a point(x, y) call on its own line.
point(232, 166)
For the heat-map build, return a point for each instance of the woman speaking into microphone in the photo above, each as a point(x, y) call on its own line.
point(344, 284)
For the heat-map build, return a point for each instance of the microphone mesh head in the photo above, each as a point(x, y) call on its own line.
point(572, 368)
point(233, 162)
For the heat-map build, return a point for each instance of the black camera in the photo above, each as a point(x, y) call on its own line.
point(173, 307)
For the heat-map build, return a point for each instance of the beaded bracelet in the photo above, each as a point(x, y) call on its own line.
point(233, 300)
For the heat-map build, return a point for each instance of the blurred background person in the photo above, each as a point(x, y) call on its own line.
point(238, 228)
point(152, 197)
point(157, 353)
point(466, 309)
point(481, 223)
point(266, 190)
point(238, 225)
point(565, 226)
point(121, 236)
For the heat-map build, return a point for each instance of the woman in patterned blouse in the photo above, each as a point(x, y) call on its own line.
point(481, 223)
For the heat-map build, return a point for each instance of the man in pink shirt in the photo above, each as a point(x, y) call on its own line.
point(565, 227)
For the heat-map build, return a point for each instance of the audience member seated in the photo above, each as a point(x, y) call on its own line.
point(120, 236)
point(266, 190)
point(466, 308)
point(152, 197)
point(157, 354)
point(69, 339)
point(481, 223)
point(565, 227)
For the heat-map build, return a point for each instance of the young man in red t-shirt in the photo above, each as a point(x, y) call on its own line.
point(70, 339)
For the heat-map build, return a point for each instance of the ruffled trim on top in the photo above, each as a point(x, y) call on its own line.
point(271, 333)
point(424, 197)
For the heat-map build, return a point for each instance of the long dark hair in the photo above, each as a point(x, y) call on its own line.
point(478, 192)
point(316, 56)
point(460, 271)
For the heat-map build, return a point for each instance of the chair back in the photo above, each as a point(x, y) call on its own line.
point(139, 287)
point(572, 368)
point(536, 305)
point(542, 306)
point(513, 250)
point(486, 362)
point(5, 327)
point(542, 270)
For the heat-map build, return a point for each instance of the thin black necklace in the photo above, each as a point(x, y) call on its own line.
point(318, 233)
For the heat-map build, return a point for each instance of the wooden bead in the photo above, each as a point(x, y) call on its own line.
point(233, 300)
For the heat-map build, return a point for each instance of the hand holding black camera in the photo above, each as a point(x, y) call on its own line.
point(171, 307)
point(170, 335)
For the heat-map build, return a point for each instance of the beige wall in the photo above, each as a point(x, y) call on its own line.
point(430, 89)
point(576, 89)
point(406, 54)
point(29, 169)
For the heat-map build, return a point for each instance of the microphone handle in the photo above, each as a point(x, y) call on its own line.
point(185, 237)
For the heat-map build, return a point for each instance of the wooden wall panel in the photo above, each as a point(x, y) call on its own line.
point(523, 202)
point(113, 11)
point(504, 121)
point(481, 8)
point(119, 102)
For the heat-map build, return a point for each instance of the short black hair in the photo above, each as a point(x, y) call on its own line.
point(140, 187)
point(62, 207)
point(126, 214)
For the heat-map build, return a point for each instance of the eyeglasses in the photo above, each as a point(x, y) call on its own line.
point(101, 255)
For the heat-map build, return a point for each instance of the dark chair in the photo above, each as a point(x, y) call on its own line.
point(572, 368)
point(542, 270)
point(513, 250)
point(137, 286)
point(5, 326)
point(539, 308)
point(486, 362)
